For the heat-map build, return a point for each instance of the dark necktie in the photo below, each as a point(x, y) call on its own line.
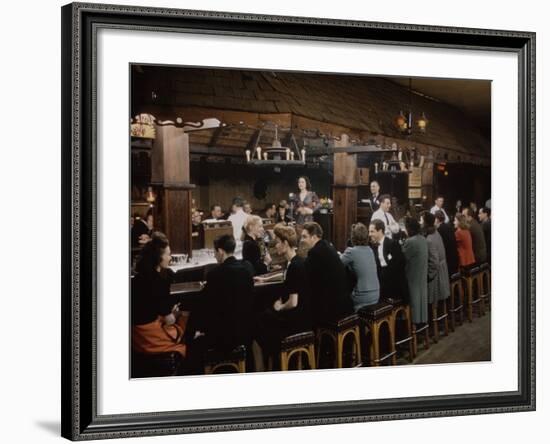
point(387, 220)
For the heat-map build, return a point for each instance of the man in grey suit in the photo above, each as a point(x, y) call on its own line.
point(360, 261)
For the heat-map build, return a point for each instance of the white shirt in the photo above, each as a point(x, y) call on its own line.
point(390, 225)
point(237, 220)
point(381, 253)
point(435, 209)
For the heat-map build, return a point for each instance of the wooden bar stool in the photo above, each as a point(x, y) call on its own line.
point(373, 317)
point(338, 331)
point(484, 283)
point(439, 313)
point(216, 359)
point(300, 343)
point(403, 330)
point(416, 330)
point(456, 307)
point(470, 276)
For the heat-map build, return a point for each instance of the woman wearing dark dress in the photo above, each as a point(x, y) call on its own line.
point(290, 313)
point(157, 324)
point(254, 249)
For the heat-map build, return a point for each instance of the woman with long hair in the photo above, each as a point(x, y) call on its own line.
point(306, 202)
point(157, 323)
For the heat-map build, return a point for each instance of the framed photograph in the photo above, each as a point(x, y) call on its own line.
point(275, 221)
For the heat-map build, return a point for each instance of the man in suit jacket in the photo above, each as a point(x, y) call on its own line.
point(485, 219)
point(374, 199)
point(478, 239)
point(390, 263)
point(226, 300)
point(447, 234)
point(330, 293)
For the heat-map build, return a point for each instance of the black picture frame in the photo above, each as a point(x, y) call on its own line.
point(79, 169)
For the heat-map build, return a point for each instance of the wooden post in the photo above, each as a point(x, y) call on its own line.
point(345, 197)
point(170, 174)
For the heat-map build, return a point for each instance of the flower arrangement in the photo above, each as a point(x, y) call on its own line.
point(326, 203)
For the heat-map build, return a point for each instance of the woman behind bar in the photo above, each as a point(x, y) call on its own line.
point(360, 261)
point(254, 249)
point(157, 324)
point(290, 313)
point(463, 241)
point(306, 202)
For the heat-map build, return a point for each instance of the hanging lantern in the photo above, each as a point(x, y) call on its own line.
point(401, 121)
point(422, 123)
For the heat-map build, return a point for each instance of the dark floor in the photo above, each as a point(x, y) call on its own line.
point(470, 342)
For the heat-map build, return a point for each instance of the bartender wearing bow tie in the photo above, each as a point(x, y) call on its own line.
point(374, 199)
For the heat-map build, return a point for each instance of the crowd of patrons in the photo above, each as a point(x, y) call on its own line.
point(411, 260)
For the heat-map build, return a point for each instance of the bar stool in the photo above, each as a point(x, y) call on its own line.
point(484, 283)
point(338, 330)
point(403, 330)
point(470, 276)
point(438, 317)
point(373, 317)
point(418, 330)
point(456, 308)
point(300, 343)
point(234, 359)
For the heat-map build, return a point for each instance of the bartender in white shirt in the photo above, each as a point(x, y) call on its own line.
point(237, 217)
point(439, 207)
point(391, 227)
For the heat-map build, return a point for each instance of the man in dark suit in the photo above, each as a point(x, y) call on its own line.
point(485, 219)
point(330, 292)
point(478, 238)
point(224, 318)
point(390, 263)
point(374, 199)
point(447, 233)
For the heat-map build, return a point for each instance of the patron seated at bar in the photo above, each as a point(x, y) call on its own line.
point(463, 242)
point(478, 238)
point(330, 299)
point(391, 227)
point(282, 213)
point(216, 212)
point(142, 230)
point(485, 219)
point(223, 320)
point(237, 217)
point(290, 313)
point(157, 324)
point(254, 249)
point(360, 261)
point(438, 274)
point(270, 211)
point(415, 251)
point(449, 242)
point(390, 263)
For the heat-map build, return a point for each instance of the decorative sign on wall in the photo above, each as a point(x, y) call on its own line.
point(415, 178)
point(415, 193)
point(143, 126)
